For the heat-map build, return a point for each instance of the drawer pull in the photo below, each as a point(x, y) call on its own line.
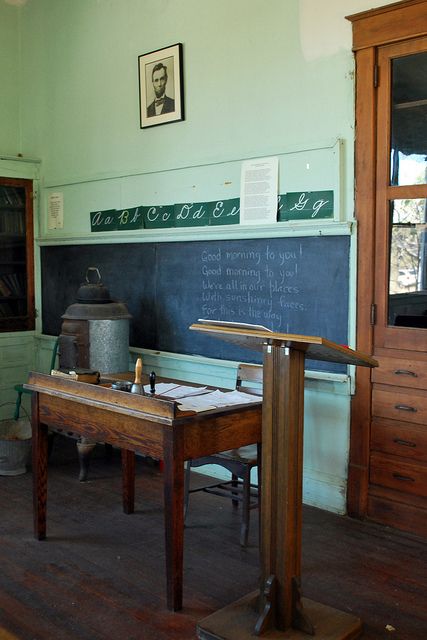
point(398, 476)
point(405, 372)
point(405, 443)
point(405, 407)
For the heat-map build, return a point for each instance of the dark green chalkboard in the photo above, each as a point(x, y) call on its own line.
point(296, 285)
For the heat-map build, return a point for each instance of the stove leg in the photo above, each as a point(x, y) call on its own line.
point(84, 449)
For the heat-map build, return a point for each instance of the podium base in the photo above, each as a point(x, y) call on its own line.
point(237, 622)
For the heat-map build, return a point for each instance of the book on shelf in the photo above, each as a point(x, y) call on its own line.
point(11, 196)
point(5, 291)
point(13, 283)
point(78, 374)
point(12, 221)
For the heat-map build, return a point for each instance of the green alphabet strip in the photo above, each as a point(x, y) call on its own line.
point(225, 212)
point(191, 214)
point(130, 218)
point(298, 205)
point(159, 216)
point(103, 220)
point(306, 205)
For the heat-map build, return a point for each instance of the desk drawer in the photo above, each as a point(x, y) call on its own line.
point(399, 439)
point(401, 373)
point(403, 405)
point(394, 473)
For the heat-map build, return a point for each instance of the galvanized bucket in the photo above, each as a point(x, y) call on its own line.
point(15, 445)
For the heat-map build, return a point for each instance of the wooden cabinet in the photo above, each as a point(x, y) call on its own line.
point(16, 255)
point(388, 451)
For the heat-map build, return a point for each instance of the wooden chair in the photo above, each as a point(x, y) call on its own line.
point(239, 462)
point(19, 388)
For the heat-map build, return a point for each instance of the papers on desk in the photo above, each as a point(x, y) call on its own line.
point(215, 399)
point(175, 391)
point(200, 398)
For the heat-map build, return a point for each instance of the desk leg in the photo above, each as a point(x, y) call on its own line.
point(128, 480)
point(174, 518)
point(40, 446)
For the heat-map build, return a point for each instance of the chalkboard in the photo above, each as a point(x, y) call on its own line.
point(296, 285)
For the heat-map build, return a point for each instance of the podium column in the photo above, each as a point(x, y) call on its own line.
point(281, 496)
point(277, 610)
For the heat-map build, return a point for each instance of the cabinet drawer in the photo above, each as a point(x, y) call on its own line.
point(399, 439)
point(403, 405)
point(395, 513)
point(401, 373)
point(393, 473)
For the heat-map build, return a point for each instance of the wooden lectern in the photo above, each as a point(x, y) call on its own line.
point(277, 609)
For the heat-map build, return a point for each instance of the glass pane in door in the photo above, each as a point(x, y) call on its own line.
point(407, 297)
point(409, 120)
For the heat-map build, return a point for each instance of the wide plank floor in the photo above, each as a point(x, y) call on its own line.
point(99, 575)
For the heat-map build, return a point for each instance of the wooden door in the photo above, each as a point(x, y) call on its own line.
point(388, 453)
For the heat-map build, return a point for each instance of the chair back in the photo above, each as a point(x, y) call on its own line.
point(249, 378)
point(54, 354)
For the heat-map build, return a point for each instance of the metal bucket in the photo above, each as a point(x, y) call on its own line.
point(15, 446)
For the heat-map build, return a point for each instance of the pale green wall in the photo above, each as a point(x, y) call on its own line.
point(249, 87)
point(10, 67)
point(260, 78)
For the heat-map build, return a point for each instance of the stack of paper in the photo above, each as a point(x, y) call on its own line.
point(175, 391)
point(200, 398)
point(215, 399)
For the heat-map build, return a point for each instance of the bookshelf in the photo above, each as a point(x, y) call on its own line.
point(16, 255)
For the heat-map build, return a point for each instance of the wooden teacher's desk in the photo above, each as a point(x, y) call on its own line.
point(152, 426)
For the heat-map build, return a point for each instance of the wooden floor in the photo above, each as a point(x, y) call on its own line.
point(100, 574)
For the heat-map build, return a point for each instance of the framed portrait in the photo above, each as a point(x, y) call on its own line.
point(161, 91)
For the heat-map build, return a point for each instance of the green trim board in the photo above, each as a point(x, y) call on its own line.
point(300, 205)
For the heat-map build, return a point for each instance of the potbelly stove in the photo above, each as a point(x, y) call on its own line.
point(94, 335)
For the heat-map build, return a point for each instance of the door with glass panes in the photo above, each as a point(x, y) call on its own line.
point(397, 490)
point(401, 222)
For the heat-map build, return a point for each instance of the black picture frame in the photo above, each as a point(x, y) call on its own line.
point(161, 87)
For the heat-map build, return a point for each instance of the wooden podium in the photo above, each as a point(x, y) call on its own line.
point(277, 609)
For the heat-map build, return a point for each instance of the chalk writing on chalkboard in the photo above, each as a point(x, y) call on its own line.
point(290, 285)
point(244, 283)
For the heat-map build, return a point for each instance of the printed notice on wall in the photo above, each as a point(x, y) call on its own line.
point(258, 191)
point(55, 211)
